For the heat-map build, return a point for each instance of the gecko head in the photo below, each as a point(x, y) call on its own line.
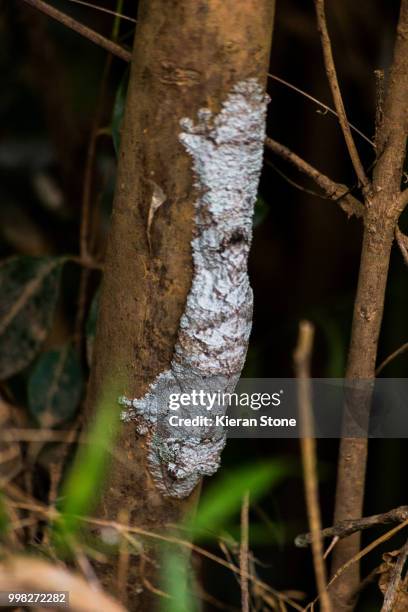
point(184, 462)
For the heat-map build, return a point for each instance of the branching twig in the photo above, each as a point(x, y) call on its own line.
point(335, 191)
point(335, 89)
point(383, 210)
point(346, 528)
point(395, 580)
point(81, 29)
point(369, 548)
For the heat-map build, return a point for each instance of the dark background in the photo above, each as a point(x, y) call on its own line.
point(305, 255)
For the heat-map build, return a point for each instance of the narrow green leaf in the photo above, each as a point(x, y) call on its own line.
point(224, 497)
point(29, 288)
point(82, 488)
point(177, 581)
point(55, 387)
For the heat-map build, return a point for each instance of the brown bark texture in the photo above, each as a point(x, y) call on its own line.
point(187, 55)
point(384, 204)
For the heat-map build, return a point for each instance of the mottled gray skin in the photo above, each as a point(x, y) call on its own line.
point(209, 354)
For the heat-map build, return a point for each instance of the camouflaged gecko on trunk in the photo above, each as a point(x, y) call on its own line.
point(226, 151)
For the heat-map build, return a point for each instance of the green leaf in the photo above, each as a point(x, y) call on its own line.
point(82, 487)
point(224, 497)
point(90, 327)
point(119, 111)
point(55, 387)
point(29, 288)
point(177, 580)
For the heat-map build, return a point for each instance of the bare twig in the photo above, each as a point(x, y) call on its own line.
point(302, 361)
point(335, 191)
point(325, 107)
point(123, 561)
point(85, 567)
point(402, 349)
point(336, 93)
point(395, 580)
point(294, 184)
point(330, 547)
point(104, 10)
point(81, 29)
point(346, 528)
point(243, 553)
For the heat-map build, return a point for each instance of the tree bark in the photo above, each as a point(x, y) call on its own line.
point(187, 56)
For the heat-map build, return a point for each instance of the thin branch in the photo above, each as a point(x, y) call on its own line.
point(123, 560)
point(81, 29)
point(336, 93)
point(335, 191)
point(402, 349)
point(294, 184)
point(391, 595)
point(104, 10)
point(327, 109)
point(346, 528)
point(302, 361)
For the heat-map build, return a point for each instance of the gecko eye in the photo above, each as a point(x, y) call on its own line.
point(236, 237)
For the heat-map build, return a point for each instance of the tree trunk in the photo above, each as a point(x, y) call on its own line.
point(187, 56)
point(383, 209)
